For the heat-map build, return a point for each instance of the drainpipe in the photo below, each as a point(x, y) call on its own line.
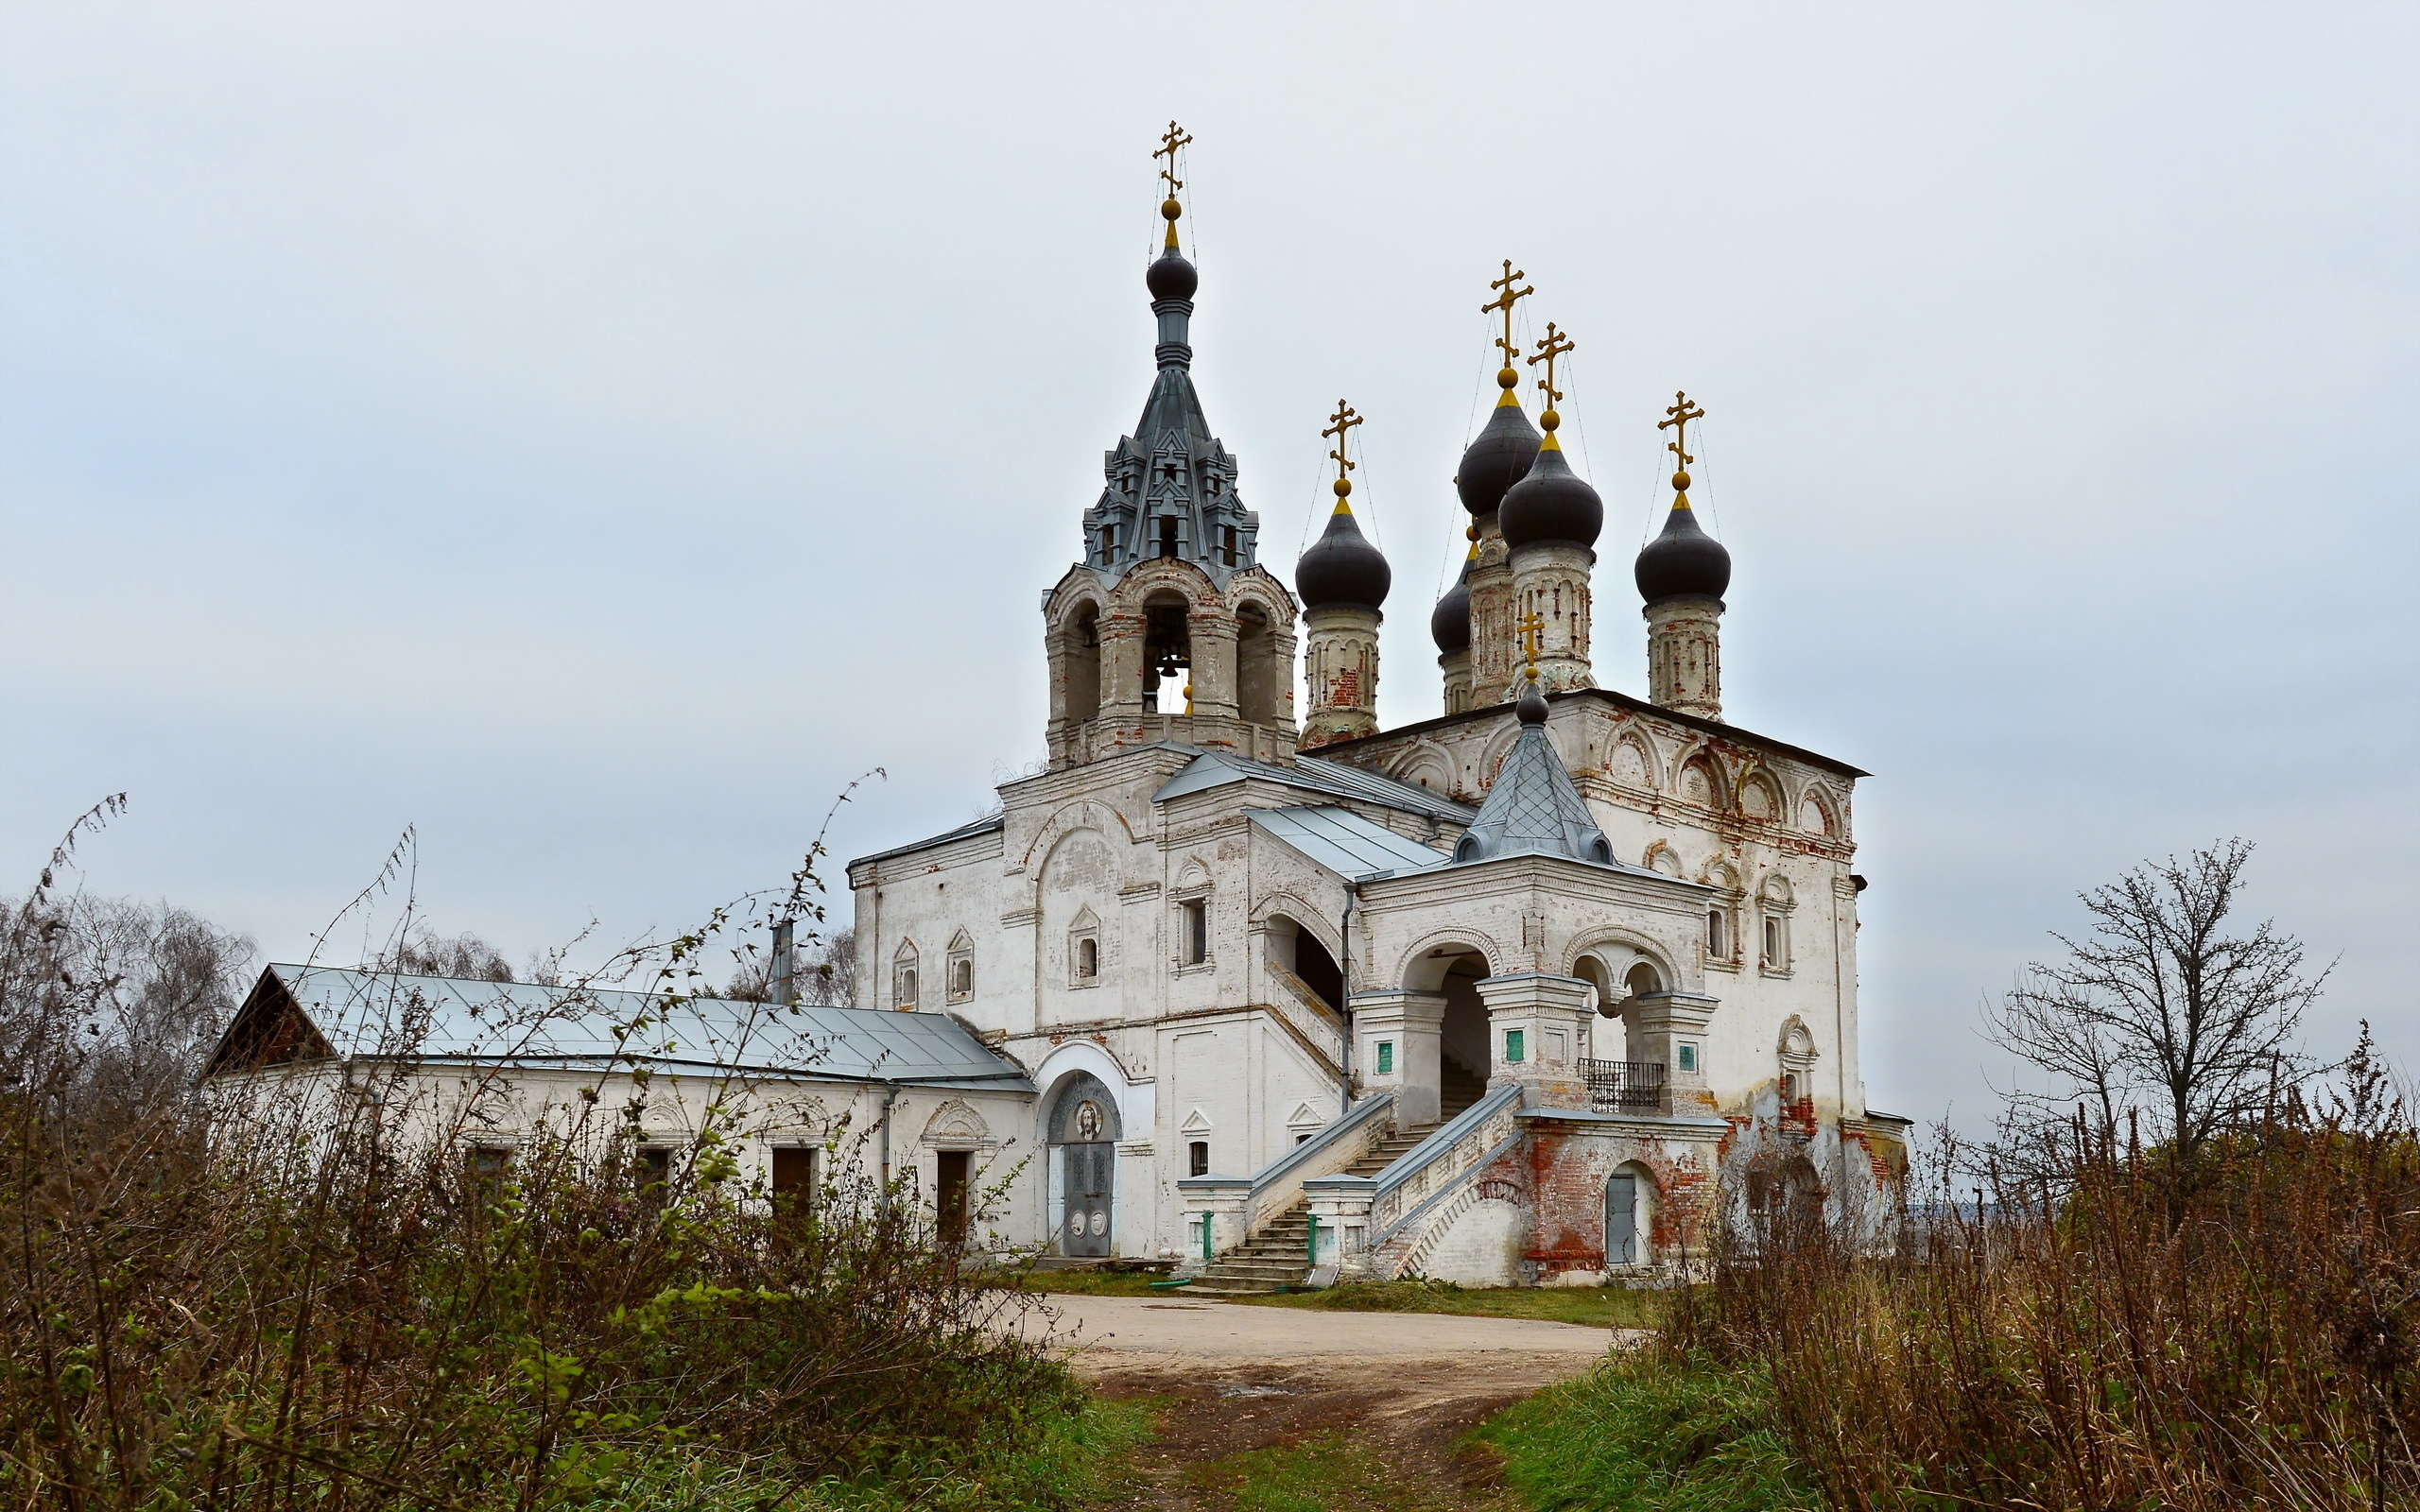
point(1344, 983)
point(890, 1100)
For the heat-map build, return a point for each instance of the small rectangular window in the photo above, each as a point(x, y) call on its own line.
point(1773, 942)
point(1715, 943)
point(1167, 535)
point(1689, 1057)
point(1196, 1157)
point(1196, 933)
point(654, 1172)
point(1087, 959)
point(1227, 545)
point(1512, 1046)
point(1386, 1057)
point(488, 1162)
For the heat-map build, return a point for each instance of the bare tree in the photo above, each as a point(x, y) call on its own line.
point(829, 974)
point(464, 956)
point(2162, 1010)
point(153, 984)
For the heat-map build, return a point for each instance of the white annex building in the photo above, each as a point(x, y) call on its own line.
point(1530, 992)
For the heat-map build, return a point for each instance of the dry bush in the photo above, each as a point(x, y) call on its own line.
point(2234, 1333)
point(284, 1305)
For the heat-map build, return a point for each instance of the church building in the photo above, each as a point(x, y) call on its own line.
point(1538, 991)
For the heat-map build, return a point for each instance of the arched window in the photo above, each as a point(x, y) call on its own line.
point(1718, 934)
point(1083, 949)
point(902, 976)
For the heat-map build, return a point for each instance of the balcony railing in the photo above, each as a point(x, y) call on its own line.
point(1624, 1086)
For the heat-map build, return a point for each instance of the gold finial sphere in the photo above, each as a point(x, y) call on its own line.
point(1549, 420)
point(1171, 209)
point(1507, 378)
point(1680, 482)
point(1469, 532)
point(1343, 487)
point(1533, 674)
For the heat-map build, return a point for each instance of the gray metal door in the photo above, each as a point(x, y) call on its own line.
point(1621, 1220)
point(1084, 1224)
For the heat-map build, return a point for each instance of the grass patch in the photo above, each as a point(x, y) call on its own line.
point(1070, 1460)
point(1084, 1282)
point(1648, 1434)
point(1599, 1307)
point(1323, 1472)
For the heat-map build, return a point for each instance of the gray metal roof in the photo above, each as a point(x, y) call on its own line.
point(1333, 778)
point(964, 832)
point(1533, 809)
point(430, 1018)
point(1347, 844)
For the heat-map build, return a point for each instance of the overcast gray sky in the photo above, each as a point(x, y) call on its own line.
point(593, 433)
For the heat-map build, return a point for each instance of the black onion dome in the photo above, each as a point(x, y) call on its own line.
point(1553, 502)
point(1342, 567)
point(1449, 623)
point(1172, 277)
point(1683, 560)
point(1496, 459)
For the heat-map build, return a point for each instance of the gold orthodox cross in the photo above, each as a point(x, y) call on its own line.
point(1682, 414)
point(1554, 346)
point(1530, 626)
point(1342, 421)
point(1170, 141)
point(1506, 297)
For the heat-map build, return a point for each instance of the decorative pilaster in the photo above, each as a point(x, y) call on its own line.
point(1537, 1024)
point(1669, 1029)
point(1410, 1027)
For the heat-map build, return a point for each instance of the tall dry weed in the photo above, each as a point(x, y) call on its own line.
point(284, 1305)
point(2235, 1334)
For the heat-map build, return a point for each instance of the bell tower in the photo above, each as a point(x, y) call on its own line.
point(1170, 628)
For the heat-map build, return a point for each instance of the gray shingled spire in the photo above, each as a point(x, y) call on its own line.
point(1171, 485)
point(1533, 809)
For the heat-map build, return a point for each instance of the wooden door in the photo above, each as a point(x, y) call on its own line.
point(949, 1196)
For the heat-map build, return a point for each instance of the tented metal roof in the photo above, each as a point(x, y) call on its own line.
point(386, 1015)
point(1216, 768)
point(1346, 843)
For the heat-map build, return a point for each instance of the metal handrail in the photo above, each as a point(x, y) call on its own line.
point(1633, 1084)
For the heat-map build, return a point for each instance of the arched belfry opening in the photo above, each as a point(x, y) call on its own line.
point(1258, 678)
point(1172, 559)
point(1167, 654)
point(1082, 658)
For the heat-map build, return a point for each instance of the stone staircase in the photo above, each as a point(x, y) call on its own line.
point(1277, 1259)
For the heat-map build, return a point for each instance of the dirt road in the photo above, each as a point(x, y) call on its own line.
point(1402, 1387)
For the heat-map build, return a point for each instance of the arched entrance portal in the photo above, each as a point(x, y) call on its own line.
point(1630, 1195)
point(1083, 1137)
point(1443, 981)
